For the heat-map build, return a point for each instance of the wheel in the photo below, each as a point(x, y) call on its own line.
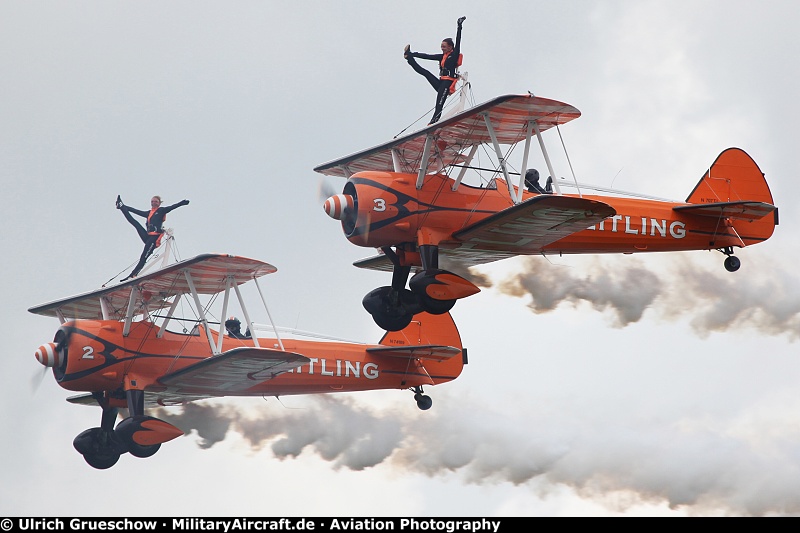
point(142, 452)
point(99, 448)
point(95, 441)
point(125, 432)
point(732, 263)
point(437, 290)
point(433, 306)
point(391, 310)
point(423, 402)
point(392, 322)
point(101, 461)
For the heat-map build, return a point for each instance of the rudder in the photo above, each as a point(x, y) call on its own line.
point(735, 177)
point(427, 329)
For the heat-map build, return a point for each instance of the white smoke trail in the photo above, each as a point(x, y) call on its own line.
point(768, 301)
point(745, 465)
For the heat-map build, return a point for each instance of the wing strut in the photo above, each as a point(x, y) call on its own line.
point(345, 171)
point(500, 157)
point(225, 298)
point(521, 186)
point(396, 161)
point(104, 307)
point(465, 166)
point(129, 312)
point(426, 152)
point(231, 283)
point(170, 313)
point(272, 322)
point(247, 315)
point(202, 313)
point(546, 157)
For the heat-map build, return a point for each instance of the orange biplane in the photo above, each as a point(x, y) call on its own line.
point(114, 344)
point(406, 198)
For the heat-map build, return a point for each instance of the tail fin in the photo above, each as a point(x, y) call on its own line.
point(735, 177)
point(428, 329)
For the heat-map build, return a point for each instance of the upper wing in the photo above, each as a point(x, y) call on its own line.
point(208, 272)
point(427, 351)
point(509, 116)
point(734, 210)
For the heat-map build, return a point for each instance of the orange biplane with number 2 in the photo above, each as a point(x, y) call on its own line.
point(406, 198)
point(114, 345)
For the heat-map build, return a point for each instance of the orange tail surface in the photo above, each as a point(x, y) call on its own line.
point(735, 177)
point(428, 329)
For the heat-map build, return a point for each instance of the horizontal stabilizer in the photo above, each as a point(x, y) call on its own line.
point(378, 262)
point(83, 399)
point(233, 371)
point(733, 210)
point(429, 351)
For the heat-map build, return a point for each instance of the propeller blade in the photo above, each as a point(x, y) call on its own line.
point(37, 378)
point(325, 190)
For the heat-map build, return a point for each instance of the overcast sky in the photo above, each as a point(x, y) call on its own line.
point(641, 385)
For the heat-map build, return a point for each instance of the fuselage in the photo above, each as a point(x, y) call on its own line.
point(99, 358)
point(389, 210)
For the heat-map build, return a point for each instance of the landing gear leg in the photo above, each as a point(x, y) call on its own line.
point(392, 307)
point(126, 429)
point(424, 402)
point(732, 263)
point(429, 255)
point(99, 446)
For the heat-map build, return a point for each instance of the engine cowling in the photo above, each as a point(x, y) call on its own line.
point(376, 210)
point(76, 355)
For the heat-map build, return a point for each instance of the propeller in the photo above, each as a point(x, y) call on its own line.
point(50, 355)
point(340, 206)
point(325, 190)
point(37, 378)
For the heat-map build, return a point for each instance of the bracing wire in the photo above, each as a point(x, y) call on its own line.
point(569, 162)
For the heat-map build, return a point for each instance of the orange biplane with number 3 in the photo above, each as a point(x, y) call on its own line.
point(406, 198)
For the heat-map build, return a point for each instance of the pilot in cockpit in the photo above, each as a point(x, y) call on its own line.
point(234, 328)
point(532, 182)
